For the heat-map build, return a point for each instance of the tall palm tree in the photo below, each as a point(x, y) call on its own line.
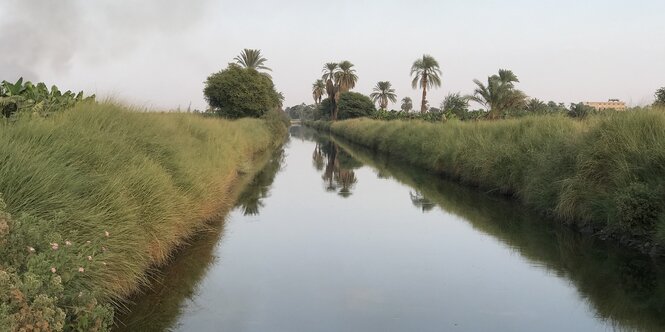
point(499, 94)
point(346, 76)
point(253, 59)
point(330, 71)
point(426, 74)
point(383, 92)
point(339, 78)
point(318, 89)
point(407, 104)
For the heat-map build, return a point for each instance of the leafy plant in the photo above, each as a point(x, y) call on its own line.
point(19, 97)
point(500, 94)
point(382, 93)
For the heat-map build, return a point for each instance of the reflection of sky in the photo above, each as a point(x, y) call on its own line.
point(311, 261)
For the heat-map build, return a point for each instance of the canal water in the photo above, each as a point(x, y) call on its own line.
point(332, 237)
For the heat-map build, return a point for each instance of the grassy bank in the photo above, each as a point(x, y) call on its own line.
point(604, 173)
point(97, 196)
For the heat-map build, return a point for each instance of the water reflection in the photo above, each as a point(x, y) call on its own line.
point(625, 288)
point(288, 274)
point(160, 307)
point(251, 199)
point(337, 166)
point(419, 200)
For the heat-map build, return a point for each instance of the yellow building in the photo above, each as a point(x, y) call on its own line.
point(615, 104)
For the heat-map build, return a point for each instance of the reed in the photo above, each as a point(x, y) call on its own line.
point(604, 173)
point(97, 196)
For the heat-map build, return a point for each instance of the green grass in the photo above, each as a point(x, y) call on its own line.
point(605, 172)
point(150, 180)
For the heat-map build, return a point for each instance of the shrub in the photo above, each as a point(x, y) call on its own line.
point(351, 105)
point(27, 97)
point(355, 105)
point(638, 208)
point(237, 92)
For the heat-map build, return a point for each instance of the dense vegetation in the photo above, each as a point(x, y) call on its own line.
point(604, 173)
point(94, 197)
point(337, 78)
point(237, 92)
point(660, 98)
point(350, 105)
point(499, 97)
point(27, 98)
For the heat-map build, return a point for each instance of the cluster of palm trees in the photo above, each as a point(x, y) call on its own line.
point(341, 77)
point(498, 95)
point(337, 78)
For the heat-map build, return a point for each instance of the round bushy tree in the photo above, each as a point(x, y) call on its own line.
point(355, 105)
point(351, 105)
point(237, 92)
point(660, 98)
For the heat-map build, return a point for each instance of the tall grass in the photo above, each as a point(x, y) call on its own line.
point(122, 187)
point(604, 173)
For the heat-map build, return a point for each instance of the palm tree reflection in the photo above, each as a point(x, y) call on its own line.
point(337, 165)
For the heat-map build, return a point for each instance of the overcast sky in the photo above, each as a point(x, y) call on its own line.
point(158, 53)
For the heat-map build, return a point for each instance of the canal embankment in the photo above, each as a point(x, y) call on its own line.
point(96, 197)
point(602, 174)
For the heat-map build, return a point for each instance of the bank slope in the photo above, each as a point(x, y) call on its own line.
point(605, 173)
point(93, 198)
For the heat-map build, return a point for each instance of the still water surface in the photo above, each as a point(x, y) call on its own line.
point(330, 237)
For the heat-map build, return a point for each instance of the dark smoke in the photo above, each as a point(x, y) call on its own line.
point(38, 35)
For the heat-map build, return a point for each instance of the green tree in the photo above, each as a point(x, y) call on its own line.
point(280, 100)
point(330, 71)
point(354, 105)
point(383, 92)
point(500, 94)
point(351, 105)
point(426, 75)
point(536, 106)
point(318, 89)
point(346, 76)
point(580, 110)
point(407, 104)
point(237, 92)
point(455, 105)
point(339, 78)
point(252, 59)
point(660, 98)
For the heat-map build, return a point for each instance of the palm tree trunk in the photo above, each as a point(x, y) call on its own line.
point(423, 103)
point(335, 102)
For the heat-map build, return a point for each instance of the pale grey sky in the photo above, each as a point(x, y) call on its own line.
point(157, 53)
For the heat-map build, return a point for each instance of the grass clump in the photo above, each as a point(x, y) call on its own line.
point(604, 172)
point(94, 197)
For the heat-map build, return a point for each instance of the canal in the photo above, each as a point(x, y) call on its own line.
point(332, 237)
